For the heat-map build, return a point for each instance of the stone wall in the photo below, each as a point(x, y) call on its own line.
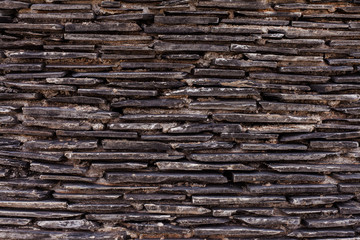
point(179, 119)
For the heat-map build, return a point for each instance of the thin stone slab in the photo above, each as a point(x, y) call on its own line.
point(314, 97)
point(236, 200)
point(106, 37)
point(210, 127)
point(276, 106)
point(164, 117)
point(133, 217)
point(331, 223)
point(163, 103)
point(243, 63)
point(115, 177)
point(293, 189)
point(235, 231)
point(315, 167)
point(50, 56)
point(176, 209)
point(57, 16)
point(22, 67)
point(289, 78)
point(73, 81)
point(192, 166)
point(154, 197)
point(117, 92)
point(172, 47)
point(183, 138)
point(64, 125)
point(218, 92)
point(68, 224)
point(55, 168)
point(311, 233)
point(350, 207)
point(264, 118)
point(55, 205)
point(133, 75)
point(135, 145)
point(39, 214)
point(319, 200)
point(202, 146)
point(196, 221)
point(291, 222)
point(102, 27)
point(14, 221)
point(264, 177)
point(258, 157)
point(120, 156)
point(60, 7)
point(272, 147)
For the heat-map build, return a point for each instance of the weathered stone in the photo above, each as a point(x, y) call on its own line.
point(225, 105)
point(67, 224)
point(176, 209)
point(65, 178)
point(289, 78)
point(23, 131)
point(276, 106)
point(346, 79)
point(346, 177)
point(114, 166)
point(87, 196)
point(317, 69)
point(227, 212)
point(329, 223)
point(310, 211)
point(158, 29)
point(74, 81)
point(14, 221)
point(55, 168)
point(249, 136)
point(172, 47)
point(218, 72)
point(263, 118)
point(349, 187)
point(185, 20)
point(257, 157)
point(192, 166)
point(68, 113)
point(153, 197)
point(187, 138)
point(65, 125)
point(103, 27)
point(303, 24)
point(319, 200)
point(106, 37)
point(141, 126)
point(70, 47)
point(39, 87)
point(163, 103)
point(236, 200)
point(117, 92)
point(55, 205)
point(77, 100)
point(37, 234)
point(235, 231)
point(57, 16)
point(33, 155)
point(8, 119)
point(243, 63)
point(165, 117)
point(351, 207)
point(202, 146)
point(311, 233)
point(133, 75)
point(218, 92)
point(127, 56)
point(119, 156)
point(154, 65)
point(96, 134)
point(136, 217)
point(291, 222)
point(314, 97)
point(127, 17)
point(263, 177)
point(149, 85)
point(180, 56)
point(103, 208)
point(208, 38)
point(233, 5)
point(256, 49)
point(315, 167)
point(135, 145)
point(202, 190)
point(273, 57)
point(271, 147)
point(333, 144)
point(158, 228)
point(97, 188)
point(210, 127)
point(50, 56)
point(195, 221)
point(22, 67)
point(38, 214)
point(115, 177)
point(293, 189)
point(321, 135)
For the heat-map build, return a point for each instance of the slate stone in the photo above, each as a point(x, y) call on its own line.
point(183, 138)
point(313, 97)
point(102, 37)
point(88, 197)
point(158, 228)
point(176, 209)
point(236, 200)
point(321, 135)
point(272, 147)
point(273, 57)
point(103, 27)
point(162, 103)
point(202, 190)
point(153, 65)
point(306, 233)
point(309, 211)
point(14, 4)
point(291, 222)
point(51, 56)
point(317, 69)
point(87, 47)
point(141, 126)
point(74, 81)
point(148, 85)
point(249, 136)
point(263, 177)
point(134, 217)
point(209, 38)
point(202, 146)
point(305, 24)
point(33, 155)
point(14, 221)
point(213, 72)
point(116, 92)
point(23, 131)
point(276, 106)
point(65, 125)
point(289, 78)
point(153, 197)
point(225, 105)
point(164, 117)
point(181, 56)
point(22, 67)
point(256, 157)
point(113, 166)
point(77, 100)
point(334, 144)
point(185, 20)
point(66, 178)
point(126, 17)
point(116, 177)
point(346, 177)
point(235, 231)
point(192, 166)
point(67, 113)
point(315, 167)
point(196, 221)
point(135, 145)
point(319, 200)
point(57, 16)
point(103, 208)
point(133, 75)
point(211, 127)
point(243, 63)
point(172, 47)
point(38, 214)
point(350, 207)
point(263, 118)
point(54, 168)
point(39, 87)
point(158, 29)
point(349, 187)
point(218, 92)
point(293, 189)
point(241, 48)
point(68, 224)
point(119, 156)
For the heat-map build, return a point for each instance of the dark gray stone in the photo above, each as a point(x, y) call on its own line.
point(235, 231)
point(192, 166)
point(236, 200)
point(176, 209)
point(119, 156)
point(291, 222)
point(102, 27)
point(162, 103)
point(293, 189)
point(319, 200)
point(311, 233)
point(263, 177)
point(135, 145)
point(263, 118)
point(315, 167)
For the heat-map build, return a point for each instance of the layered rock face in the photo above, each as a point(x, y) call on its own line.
point(179, 119)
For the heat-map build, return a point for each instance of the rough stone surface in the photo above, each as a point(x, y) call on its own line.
point(179, 119)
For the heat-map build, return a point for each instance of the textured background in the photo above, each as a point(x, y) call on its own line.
point(179, 119)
